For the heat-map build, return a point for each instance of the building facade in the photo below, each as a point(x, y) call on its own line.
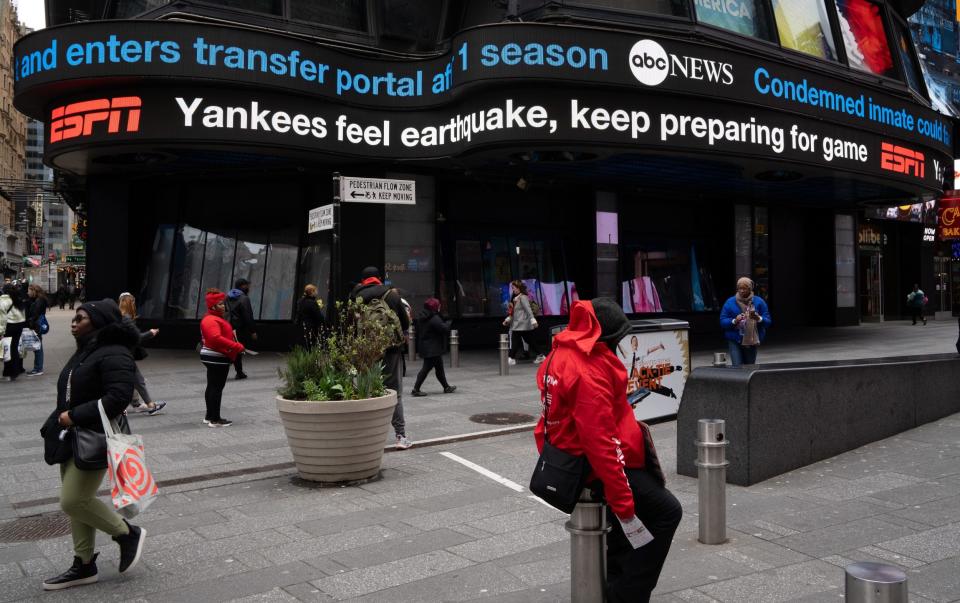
point(13, 243)
point(649, 151)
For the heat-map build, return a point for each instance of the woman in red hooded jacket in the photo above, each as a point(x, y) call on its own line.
point(219, 349)
point(589, 415)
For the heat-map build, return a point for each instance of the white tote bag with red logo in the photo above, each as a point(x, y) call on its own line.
point(132, 486)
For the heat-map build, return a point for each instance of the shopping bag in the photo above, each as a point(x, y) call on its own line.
point(5, 343)
point(29, 341)
point(132, 487)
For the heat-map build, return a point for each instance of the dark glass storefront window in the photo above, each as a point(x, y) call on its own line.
point(803, 26)
point(667, 276)
point(346, 14)
point(270, 7)
point(864, 36)
point(126, 9)
point(189, 261)
point(485, 267)
point(746, 17)
point(761, 252)
point(315, 270)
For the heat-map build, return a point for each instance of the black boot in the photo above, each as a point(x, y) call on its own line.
point(131, 545)
point(78, 574)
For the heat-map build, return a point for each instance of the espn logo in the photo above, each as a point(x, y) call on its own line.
point(78, 119)
point(901, 160)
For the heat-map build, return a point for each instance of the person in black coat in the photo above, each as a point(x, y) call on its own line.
point(432, 332)
point(309, 317)
point(102, 369)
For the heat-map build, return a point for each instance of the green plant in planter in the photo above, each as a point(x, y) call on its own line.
point(344, 363)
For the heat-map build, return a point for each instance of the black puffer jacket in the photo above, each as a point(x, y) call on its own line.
point(432, 333)
point(103, 369)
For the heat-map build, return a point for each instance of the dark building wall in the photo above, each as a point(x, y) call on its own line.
point(107, 238)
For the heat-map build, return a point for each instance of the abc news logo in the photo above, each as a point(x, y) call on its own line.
point(651, 65)
point(79, 119)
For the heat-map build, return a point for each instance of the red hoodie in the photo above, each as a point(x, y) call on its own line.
point(588, 410)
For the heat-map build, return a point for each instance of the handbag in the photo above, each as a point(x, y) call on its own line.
point(558, 477)
point(43, 324)
point(89, 446)
point(650, 456)
point(132, 487)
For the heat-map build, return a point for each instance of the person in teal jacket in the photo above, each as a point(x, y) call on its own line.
point(915, 301)
point(744, 320)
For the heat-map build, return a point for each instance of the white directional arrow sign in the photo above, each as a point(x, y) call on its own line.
point(378, 190)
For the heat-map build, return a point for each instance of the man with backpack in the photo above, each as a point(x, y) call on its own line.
point(387, 304)
point(240, 313)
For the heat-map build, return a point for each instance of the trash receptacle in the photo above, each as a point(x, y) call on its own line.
point(656, 354)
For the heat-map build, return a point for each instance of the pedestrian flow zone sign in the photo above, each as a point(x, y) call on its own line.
point(378, 190)
point(321, 218)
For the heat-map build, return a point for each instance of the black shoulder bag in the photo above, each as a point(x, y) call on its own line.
point(559, 477)
point(89, 445)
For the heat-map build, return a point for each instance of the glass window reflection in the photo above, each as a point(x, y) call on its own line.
point(186, 272)
point(803, 25)
point(745, 17)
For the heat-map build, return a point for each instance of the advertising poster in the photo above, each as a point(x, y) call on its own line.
point(657, 364)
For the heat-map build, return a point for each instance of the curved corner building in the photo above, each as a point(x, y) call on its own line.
point(648, 150)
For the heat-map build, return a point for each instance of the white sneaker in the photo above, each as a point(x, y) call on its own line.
point(539, 359)
point(511, 361)
point(403, 443)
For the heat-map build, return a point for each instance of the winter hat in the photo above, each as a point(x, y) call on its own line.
point(613, 322)
point(432, 304)
point(369, 272)
point(102, 313)
point(214, 298)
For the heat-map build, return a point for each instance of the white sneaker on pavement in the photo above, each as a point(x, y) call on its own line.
point(511, 361)
point(403, 443)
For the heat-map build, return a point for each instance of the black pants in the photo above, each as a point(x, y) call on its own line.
point(516, 343)
point(917, 312)
point(429, 364)
point(216, 380)
point(393, 378)
point(632, 574)
point(13, 368)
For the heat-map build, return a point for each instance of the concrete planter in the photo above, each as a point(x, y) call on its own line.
point(337, 441)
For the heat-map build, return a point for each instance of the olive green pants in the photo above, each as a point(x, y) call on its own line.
point(78, 499)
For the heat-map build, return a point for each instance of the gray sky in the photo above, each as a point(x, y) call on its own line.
point(31, 13)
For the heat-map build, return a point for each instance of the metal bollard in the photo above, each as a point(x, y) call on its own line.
point(504, 354)
point(454, 348)
point(588, 546)
point(719, 359)
point(712, 480)
point(412, 343)
point(868, 582)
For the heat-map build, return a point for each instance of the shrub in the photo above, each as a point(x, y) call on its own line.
point(344, 363)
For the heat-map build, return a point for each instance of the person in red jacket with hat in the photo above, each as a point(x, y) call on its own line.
point(219, 349)
point(589, 415)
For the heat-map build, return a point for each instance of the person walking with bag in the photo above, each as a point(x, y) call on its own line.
point(585, 413)
point(218, 352)
point(916, 299)
point(37, 322)
point(744, 320)
point(128, 309)
point(522, 323)
point(13, 311)
point(102, 370)
point(432, 332)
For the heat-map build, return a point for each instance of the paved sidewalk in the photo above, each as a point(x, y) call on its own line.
point(433, 530)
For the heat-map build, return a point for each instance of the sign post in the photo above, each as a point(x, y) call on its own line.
point(335, 252)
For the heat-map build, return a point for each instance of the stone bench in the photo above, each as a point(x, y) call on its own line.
point(783, 416)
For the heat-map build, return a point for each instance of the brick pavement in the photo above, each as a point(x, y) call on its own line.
point(433, 530)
